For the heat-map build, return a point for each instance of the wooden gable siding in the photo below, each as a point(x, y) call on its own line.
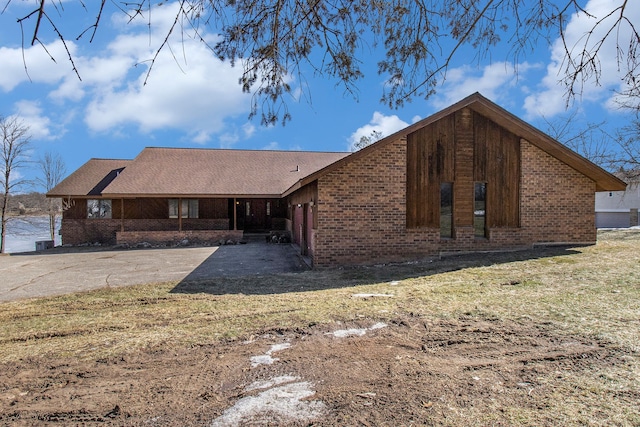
point(497, 162)
point(430, 160)
point(463, 148)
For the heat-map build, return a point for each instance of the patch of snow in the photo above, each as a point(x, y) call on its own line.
point(266, 359)
point(263, 359)
point(343, 333)
point(394, 283)
point(378, 325)
point(279, 347)
point(271, 383)
point(279, 404)
point(371, 295)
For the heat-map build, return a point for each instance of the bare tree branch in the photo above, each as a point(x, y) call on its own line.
point(416, 40)
point(15, 143)
point(52, 169)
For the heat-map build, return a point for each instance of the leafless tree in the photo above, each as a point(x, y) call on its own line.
point(13, 156)
point(628, 142)
point(618, 152)
point(367, 140)
point(590, 140)
point(273, 40)
point(52, 169)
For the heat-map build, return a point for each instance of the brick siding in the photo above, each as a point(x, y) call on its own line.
point(175, 237)
point(557, 202)
point(79, 231)
point(362, 211)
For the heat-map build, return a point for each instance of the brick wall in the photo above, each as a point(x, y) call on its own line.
point(361, 210)
point(175, 237)
point(79, 231)
point(557, 202)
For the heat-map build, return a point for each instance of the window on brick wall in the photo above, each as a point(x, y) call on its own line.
point(446, 209)
point(480, 209)
point(99, 208)
point(189, 208)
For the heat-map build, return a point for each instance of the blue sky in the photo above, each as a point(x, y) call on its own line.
point(193, 100)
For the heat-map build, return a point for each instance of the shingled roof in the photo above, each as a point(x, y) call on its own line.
point(90, 179)
point(187, 172)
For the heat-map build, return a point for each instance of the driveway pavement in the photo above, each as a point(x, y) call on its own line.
point(58, 272)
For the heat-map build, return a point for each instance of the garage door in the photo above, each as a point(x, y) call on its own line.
point(612, 219)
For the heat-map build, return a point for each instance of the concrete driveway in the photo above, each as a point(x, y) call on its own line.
point(57, 272)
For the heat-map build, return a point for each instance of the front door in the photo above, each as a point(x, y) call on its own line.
point(253, 214)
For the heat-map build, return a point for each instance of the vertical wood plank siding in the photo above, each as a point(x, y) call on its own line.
point(463, 148)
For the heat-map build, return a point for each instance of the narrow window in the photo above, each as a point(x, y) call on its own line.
point(173, 208)
point(99, 208)
point(480, 209)
point(268, 208)
point(185, 208)
point(446, 209)
point(247, 209)
point(193, 208)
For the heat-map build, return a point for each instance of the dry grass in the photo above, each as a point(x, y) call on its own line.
point(592, 291)
point(582, 293)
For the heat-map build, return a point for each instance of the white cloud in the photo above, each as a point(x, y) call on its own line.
point(249, 129)
point(40, 68)
point(41, 127)
point(386, 125)
point(195, 95)
point(273, 145)
point(495, 81)
point(550, 100)
point(188, 89)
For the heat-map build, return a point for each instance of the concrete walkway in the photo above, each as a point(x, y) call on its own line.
point(58, 272)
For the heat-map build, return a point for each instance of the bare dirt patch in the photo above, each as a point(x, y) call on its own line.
point(413, 370)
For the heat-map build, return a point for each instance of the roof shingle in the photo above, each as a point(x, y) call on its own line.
point(90, 179)
point(184, 172)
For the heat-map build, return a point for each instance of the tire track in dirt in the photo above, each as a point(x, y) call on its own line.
point(416, 370)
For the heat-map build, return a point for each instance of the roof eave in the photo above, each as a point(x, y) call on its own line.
point(187, 196)
point(604, 180)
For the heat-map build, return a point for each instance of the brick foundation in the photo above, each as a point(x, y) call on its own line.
point(79, 231)
point(175, 237)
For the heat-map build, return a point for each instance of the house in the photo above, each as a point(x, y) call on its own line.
point(472, 177)
point(619, 209)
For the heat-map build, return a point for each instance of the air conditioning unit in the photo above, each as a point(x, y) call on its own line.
point(42, 245)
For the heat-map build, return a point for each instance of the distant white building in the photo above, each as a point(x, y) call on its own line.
point(618, 209)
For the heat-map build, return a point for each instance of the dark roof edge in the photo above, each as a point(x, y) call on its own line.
point(185, 196)
point(604, 180)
